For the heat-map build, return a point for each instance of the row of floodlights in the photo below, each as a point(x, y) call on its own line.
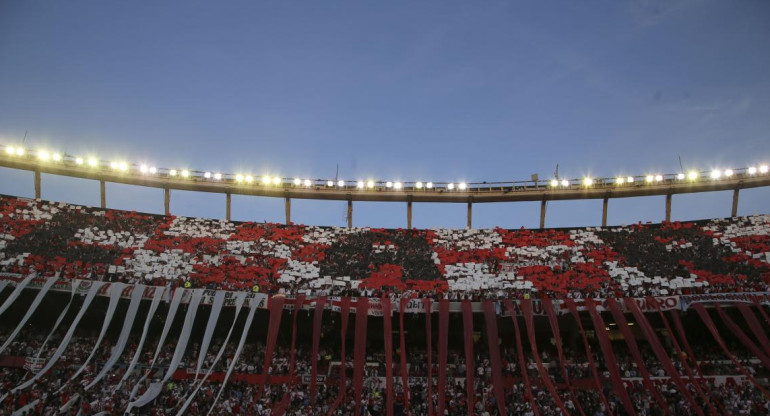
point(122, 166)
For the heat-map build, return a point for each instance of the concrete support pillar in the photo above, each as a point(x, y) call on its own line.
point(409, 214)
point(288, 210)
point(350, 213)
point(166, 201)
point(103, 193)
point(543, 204)
point(228, 205)
point(37, 184)
point(668, 207)
point(604, 211)
point(734, 212)
point(470, 215)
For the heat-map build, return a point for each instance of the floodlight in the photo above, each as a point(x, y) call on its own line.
point(620, 181)
point(370, 184)
point(588, 181)
point(218, 176)
point(462, 186)
point(554, 182)
point(19, 151)
point(307, 182)
point(172, 172)
point(330, 183)
point(429, 185)
point(123, 166)
point(276, 180)
point(360, 185)
point(680, 176)
point(692, 175)
point(56, 157)
point(762, 169)
point(114, 165)
point(564, 183)
point(43, 155)
point(79, 161)
point(207, 175)
point(630, 179)
point(450, 186)
point(143, 168)
point(340, 183)
point(752, 170)
point(649, 178)
point(388, 184)
point(10, 150)
point(397, 185)
point(418, 185)
point(658, 178)
point(153, 170)
point(266, 180)
point(93, 162)
point(239, 178)
point(728, 173)
point(249, 179)
point(297, 181)
point(716, 173)
point(185, 173)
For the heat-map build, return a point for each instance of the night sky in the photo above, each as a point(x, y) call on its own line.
point(397, 90)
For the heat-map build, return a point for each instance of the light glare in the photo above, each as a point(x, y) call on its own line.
point(19, 151)
point(619, 181)
point(763, 169)
point(429, 185)
point(554, 182)
point(752, 170)
point(716, 173)
point(56, 157)
point(728, 173)
point(397, 185)
point(307, 182)
point(218, 176)
point(172, 172)
point(564, 183)
point(43, 155)
point(450, 186)
point(692, 175)
point(276, 180)
point(207, 175)
point(462, 186)
point(418, 185)
point(185, 173)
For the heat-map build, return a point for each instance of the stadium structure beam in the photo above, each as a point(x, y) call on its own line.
point(734, 212)
point(350, 213)
point(102, 193)
point(409, 214)
point(543, 205)
point(470, 214)
point(166, 201)
point(604, 211)
point(668, 207)
point(287, 208)
point(37, 184)
point(228, 205)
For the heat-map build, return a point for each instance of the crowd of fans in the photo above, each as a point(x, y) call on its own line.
point(724, 255)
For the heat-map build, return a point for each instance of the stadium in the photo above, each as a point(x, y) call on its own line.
point(108, 311)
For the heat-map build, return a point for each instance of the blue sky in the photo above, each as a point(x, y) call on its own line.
point(433, 90)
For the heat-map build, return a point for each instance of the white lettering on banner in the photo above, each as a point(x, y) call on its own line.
point(662, 381)
point(747, 297)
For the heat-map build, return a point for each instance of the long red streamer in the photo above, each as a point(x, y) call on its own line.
point(660, 352)
point(553, 320)
point(317, 320)
point(428, 336)
point(402, 348)
point(755, 326)
point(470, 364)
point(762, 311)
point(359, 351)
point(443, 338)
point(494, 354)
point(520, 352)
point(387, 330)
point(280, 409)
point(570, 304)
point(745, 340)
point(609, 357)
point(529, 322)
point(622, 325)
point(276, 311)
point(704, 316)
point(344, 313)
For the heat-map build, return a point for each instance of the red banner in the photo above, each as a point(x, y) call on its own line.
point(276, 311)
point(402, 355)
point(745, 340)
point(470, 364)
point(556, 331)
point(428, 336)
point(755, 326)
point(344, 314)
point(359, 352)
point(522, 363)
point(317, 320)
point(443, 339)
point(526, 308)
point(387, 335)
point(494, 355)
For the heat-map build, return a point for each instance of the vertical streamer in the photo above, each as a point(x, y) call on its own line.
point(470, 364)
point(32, 308)
point(426, 304)
point(754, 324)
point(317, 320)
point(402, 356)
point(344, 313)
point(359, 352)
point(553, 321)
point(520, 354)
point(150, 314)
point(494, 354)
point(745, 340)
point(276, 312)
point(443, 338)
point(387, 335)
point(216, 308)
point(17, 291)
point(284, 403)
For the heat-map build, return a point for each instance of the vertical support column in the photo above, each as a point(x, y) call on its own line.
point(543, 204)
point(228, 205)
point(288, 210)
point(470, 214)
point(668, 207)
point(167, 201)
point(604, 211)
point(37, 184)
point(734, 212)
point(409, 214)
point(350, 213)
point(103, 193)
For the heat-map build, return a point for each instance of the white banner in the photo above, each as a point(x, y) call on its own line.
point(157, 296)
point(216, 308)
point(32, 308)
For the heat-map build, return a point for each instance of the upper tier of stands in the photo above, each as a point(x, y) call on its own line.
point(721, 255)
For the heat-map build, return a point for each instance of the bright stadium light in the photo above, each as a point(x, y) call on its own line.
point(341, 183)
point(143, 169)
point(122, 166)
point(360, 185)
point(564, 183)
point(297, 181)
point(692, 175)
point(79, 161)
point(728, 173)
point(43, 155)
point(752, 170)
point(266, 180)
point(418, 185)
point(172, 172)
point(276, 180)
point(239, 178)
point(114, 165)
point(658, 178)
point(370, 184)
point(19, 151)
point(649, 178)
point(207, 175)
point(218, 176)
point(153, 170)
point(450, 186)
point(462, 186)
point(716, 174)
point(388, 184)
point(249, 179)
point(307, 182)
point(554, 183)
point(56, 157)
point(397, 186)
point(429, 185)
point(10, 150)
point(680, 176)
point(329, 183)
point(588, 181)
point(630, 179)
point(620, 180)
point(185, 173)
point(93, 162)
point(762, 169)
